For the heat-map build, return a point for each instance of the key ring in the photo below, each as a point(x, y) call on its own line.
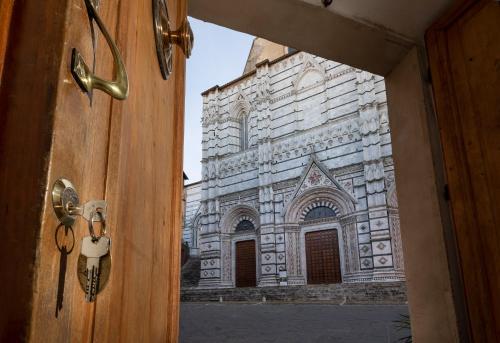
point(67, 229)
point(98, 211)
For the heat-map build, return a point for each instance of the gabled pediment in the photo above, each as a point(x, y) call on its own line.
point(240, 107)
point(310, 63)
point(311, 74)
point(316, 174)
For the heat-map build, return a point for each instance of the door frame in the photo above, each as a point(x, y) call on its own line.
point(434, 297)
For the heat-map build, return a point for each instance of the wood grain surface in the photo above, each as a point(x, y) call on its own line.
point(129, 153)
point(464, 55)
point(5, 18)
point(144, 189)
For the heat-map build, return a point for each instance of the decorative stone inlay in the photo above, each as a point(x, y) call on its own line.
point(281, 256)
point(382, 260)
point(381, 245)
point(205, 263)
point(212, 262)
point(267, 269)
point(319, 203)
point(365, 249)
point(267, 257)
point(366, 263)
point(314, 177)
point(379, 223)
point(205, 273)
point(212, 273)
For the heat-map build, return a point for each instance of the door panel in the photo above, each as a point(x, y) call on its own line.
point(464, 55)
point(322, 257)
point(127, 152)
point(144, 188)
point(245, 264)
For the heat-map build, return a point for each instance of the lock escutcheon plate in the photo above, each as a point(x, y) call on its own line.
point(64, 197)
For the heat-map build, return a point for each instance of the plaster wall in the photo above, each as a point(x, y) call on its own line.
point(426, 265)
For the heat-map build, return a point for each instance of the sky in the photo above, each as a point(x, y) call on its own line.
point(219, 56)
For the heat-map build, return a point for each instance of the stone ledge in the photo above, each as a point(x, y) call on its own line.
point(347, 293)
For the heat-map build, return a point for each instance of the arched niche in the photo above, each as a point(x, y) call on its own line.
point(310, 94)
point(334, 198)
point(237, 214)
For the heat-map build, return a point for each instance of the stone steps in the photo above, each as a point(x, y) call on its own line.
point(348, 293)
point(190, 272)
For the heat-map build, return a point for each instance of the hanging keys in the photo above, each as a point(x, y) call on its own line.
point(94, 262)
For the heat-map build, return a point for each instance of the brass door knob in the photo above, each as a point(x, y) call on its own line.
point(165, 38)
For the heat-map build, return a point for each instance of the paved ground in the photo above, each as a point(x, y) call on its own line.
point(290, 323)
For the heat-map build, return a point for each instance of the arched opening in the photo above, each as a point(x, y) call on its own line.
point(320, 212)
point(244, 225)
point(243, 132)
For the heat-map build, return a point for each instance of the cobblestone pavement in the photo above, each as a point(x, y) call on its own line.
point(290, 323)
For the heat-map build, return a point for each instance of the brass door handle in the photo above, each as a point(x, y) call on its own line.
point(87, 81)
point(165, 38)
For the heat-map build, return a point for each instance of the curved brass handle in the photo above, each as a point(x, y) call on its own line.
point(165, 38)
point(87, 81)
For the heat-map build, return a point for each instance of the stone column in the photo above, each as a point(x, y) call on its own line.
point(397, 247)
point(268, 269)
point(350, 247)
point(293, 256)
point(210, 243)
point(226, 261)
point(377, 255)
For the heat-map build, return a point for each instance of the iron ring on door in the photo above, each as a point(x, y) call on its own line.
point(165, 38)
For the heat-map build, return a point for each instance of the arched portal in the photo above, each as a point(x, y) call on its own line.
point(321, 236)
point(240, 247)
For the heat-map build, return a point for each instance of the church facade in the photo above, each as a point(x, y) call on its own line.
point(297, 179)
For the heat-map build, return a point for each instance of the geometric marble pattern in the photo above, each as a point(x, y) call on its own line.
point(314, 139)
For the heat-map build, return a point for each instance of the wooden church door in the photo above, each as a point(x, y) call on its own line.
point(322, 257)
point(245, 264)
point(127, 152)
point(464, 54)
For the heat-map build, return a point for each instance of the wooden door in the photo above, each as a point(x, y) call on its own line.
point(126, 152)
point(322, 257)
point(245, 264)
point(464, 55)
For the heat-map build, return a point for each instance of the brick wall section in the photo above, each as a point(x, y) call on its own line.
point(352, 293)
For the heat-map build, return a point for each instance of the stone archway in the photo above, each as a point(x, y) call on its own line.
point(237, 213)
point(227, 228)
point(294, 213)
